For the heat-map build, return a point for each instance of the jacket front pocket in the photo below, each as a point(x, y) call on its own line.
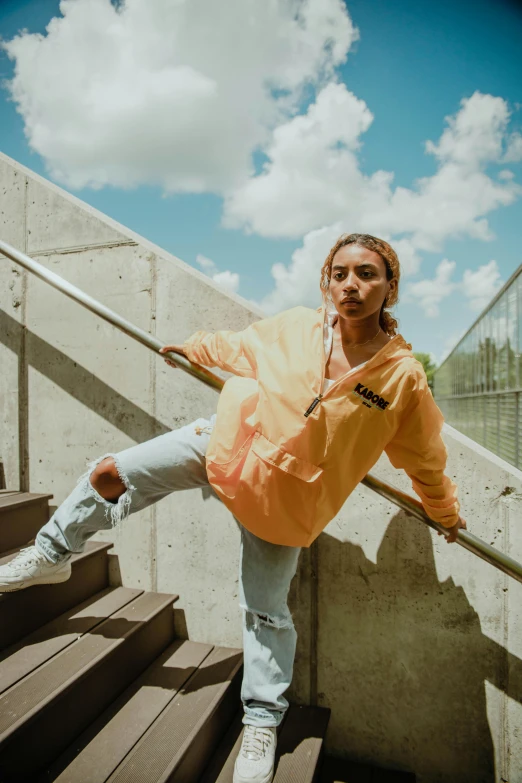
point(283, 460)
point(225, 469)
point(285, 487)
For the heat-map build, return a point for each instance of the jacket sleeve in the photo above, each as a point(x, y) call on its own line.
point(230, 351)
point(238, 352)
point(418, 448)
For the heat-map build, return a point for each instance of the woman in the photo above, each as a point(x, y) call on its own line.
point(315, 398)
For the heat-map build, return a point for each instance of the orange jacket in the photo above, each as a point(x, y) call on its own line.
point(284, 458)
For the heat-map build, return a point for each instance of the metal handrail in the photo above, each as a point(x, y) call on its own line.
point(113, 318)
point(466, 539)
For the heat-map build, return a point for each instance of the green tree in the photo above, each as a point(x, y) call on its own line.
point(429, 366)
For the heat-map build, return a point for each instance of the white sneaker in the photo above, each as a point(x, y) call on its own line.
point(29, 567)
point(255, 761)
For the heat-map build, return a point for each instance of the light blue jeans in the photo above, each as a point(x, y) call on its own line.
point(152, 470)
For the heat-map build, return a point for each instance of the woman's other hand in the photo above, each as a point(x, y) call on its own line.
point(461, 525)
point(175, 349)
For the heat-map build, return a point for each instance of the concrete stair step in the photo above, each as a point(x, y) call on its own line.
point(22, 514)
point(96, 753)
point(179, 744)
point(52, 705)
point(19, 660)
point(299, 748)
point(24, 611)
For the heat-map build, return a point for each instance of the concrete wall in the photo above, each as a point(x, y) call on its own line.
point(420, 645)
point(415, 645)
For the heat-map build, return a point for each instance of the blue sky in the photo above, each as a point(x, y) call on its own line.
point(410, 66)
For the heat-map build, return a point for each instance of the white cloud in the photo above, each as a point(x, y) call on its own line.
point(477, 286)
point(181, 94)
point(428, 294)
point(514, 148)
point(227, 280)
point(312, 177)
point(205, 263)
point(452, 203)
point(481, 285)
point(298, 283)
point(475, 134)
point(172, 93)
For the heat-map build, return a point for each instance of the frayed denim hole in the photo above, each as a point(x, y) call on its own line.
point(116, 512)
point(259, 619)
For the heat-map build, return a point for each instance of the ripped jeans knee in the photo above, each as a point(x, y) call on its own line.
point(117, 511)
point(257, 620)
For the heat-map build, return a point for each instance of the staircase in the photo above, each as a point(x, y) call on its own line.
point(95, 688)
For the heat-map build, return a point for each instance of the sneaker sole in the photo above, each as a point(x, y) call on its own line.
point(52, 579)
point(238, 779)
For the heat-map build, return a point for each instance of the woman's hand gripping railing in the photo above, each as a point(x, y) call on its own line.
point(414, 507)
point(466, 539)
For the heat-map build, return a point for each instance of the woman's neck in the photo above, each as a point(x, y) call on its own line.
point(356, 335)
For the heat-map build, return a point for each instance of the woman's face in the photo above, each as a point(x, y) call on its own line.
point(358, 284)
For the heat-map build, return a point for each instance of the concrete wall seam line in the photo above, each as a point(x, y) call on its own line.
point(23, 373)
point(75, 293)
point(56, 251)
point(112, 224)
point(153, 545)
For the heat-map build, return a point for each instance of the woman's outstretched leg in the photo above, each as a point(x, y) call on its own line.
point(114, 486)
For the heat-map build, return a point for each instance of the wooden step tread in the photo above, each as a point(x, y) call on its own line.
point(43, 644)
point(22, 515)
point(10, 500)
point(221, 766)
point(23, 611)
point(179, 743)
point(21, 702)
point(95, 755)
point(91, 546)
point(299, 746)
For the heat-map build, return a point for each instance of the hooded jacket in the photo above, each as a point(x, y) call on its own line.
point(284, 458)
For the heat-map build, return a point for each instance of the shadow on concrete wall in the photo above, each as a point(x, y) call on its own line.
point(77, 381)
point(403, 660)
